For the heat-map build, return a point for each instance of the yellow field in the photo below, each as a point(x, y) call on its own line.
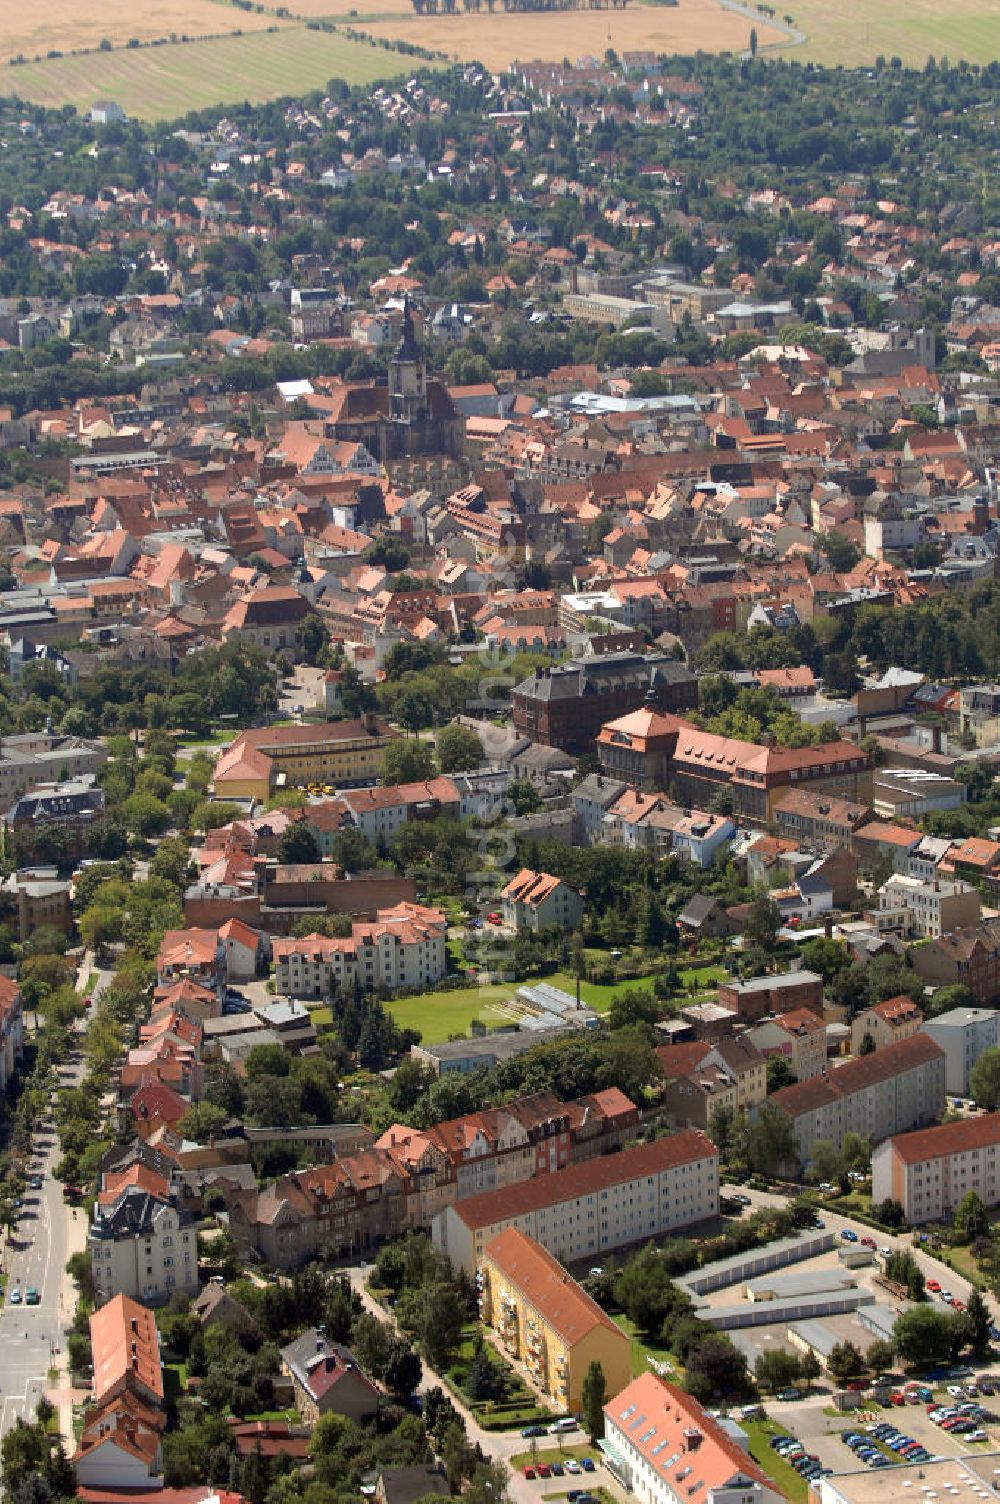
point(30, 30)
point(855, 32)
point(552, 35)
point(160, 83)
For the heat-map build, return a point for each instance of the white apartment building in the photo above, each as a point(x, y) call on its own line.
point(929, 1172)
point(588, 1209)
point(875, 1096)
point(963, 1034)
point(402, 947)
point(142, 1247)
point(929, 909)
point(666, 1449)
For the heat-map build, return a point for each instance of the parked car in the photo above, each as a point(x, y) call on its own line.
point(572, 1466)
point(849, 1235)
point(530, 1431)
point(15, 1296)
point(32, 1297)
point(543, 1470)
point(587, 1463)
point(529, 1473)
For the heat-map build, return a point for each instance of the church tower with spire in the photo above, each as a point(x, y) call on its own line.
point(408, 375)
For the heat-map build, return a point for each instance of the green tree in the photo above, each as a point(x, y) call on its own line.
point(202, 1121)
point(779, 1073)
point(298, 845)
point(927, 1336)
point(845, 1362)
point(407, 761)
point(772, 1145)
point(880, 1355)
point(826, 1162)
point(458, 749)
point(777, 1369)
point(978, 1321)
point(145, 815)
point(763, 922)
point(972, 1220)
point(984, 1079)
point(592, 1397)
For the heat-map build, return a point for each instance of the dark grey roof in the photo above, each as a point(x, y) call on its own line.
point(603, 675)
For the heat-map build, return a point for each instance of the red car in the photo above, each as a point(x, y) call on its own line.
point(543, 1470)
point(494, 919)
point(529, 1472)
point(868, 1242)
point(933, 1285)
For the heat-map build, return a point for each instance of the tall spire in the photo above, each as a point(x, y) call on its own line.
point(407, 349)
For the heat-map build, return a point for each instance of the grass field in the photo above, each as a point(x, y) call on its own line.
point(439, 1015)
point(505, 37)
point(759, 1433)
point(642, 1351)
point(160, 83)
point(30, 30)
point(855, 32)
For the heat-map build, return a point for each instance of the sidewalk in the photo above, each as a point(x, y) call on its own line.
point(61, 1393)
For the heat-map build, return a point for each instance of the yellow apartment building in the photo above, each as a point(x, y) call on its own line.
point(545, 1320)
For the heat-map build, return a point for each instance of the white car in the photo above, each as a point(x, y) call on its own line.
point(956, 1391)
point(572, 1466)
point(886, 1253)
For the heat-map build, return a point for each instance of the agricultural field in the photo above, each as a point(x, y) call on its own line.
point(161, 83)
point(32, 30)
point(855, 32)
point(503, 38)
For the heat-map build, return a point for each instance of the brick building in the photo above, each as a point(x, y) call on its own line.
point(566, 706)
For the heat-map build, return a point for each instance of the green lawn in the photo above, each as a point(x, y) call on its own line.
point(557, 1452)
point(439, 1015)
point(161, 83)
point(788, 1480)
point(642, 1350)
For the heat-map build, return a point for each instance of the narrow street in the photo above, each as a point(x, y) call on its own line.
point(48, 1232)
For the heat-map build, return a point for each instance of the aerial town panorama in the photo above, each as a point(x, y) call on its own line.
point(500, 753)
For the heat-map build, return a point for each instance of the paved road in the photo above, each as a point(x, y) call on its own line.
point(31, 1337)
point(36, 1257)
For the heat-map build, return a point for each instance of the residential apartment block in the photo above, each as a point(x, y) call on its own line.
point(410, 1175)
point(886, 1023)
point(537, 901)
point(40, 757)
point(798, 1036)
point(969, 957)
point(963, 1034)
point(544, 1319)
point(928, 909)
point(819, 822)
point(929, 1172)
point(11, 1030)
point(702, 1077)
point(143, 1247)
point(590, 1209)
point(667, 1449)
point(404, 947)
point(875, 1096)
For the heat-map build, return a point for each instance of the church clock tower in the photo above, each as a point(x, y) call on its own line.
point(408, 375)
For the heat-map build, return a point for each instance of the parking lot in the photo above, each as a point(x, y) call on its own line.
point(821, 1434)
